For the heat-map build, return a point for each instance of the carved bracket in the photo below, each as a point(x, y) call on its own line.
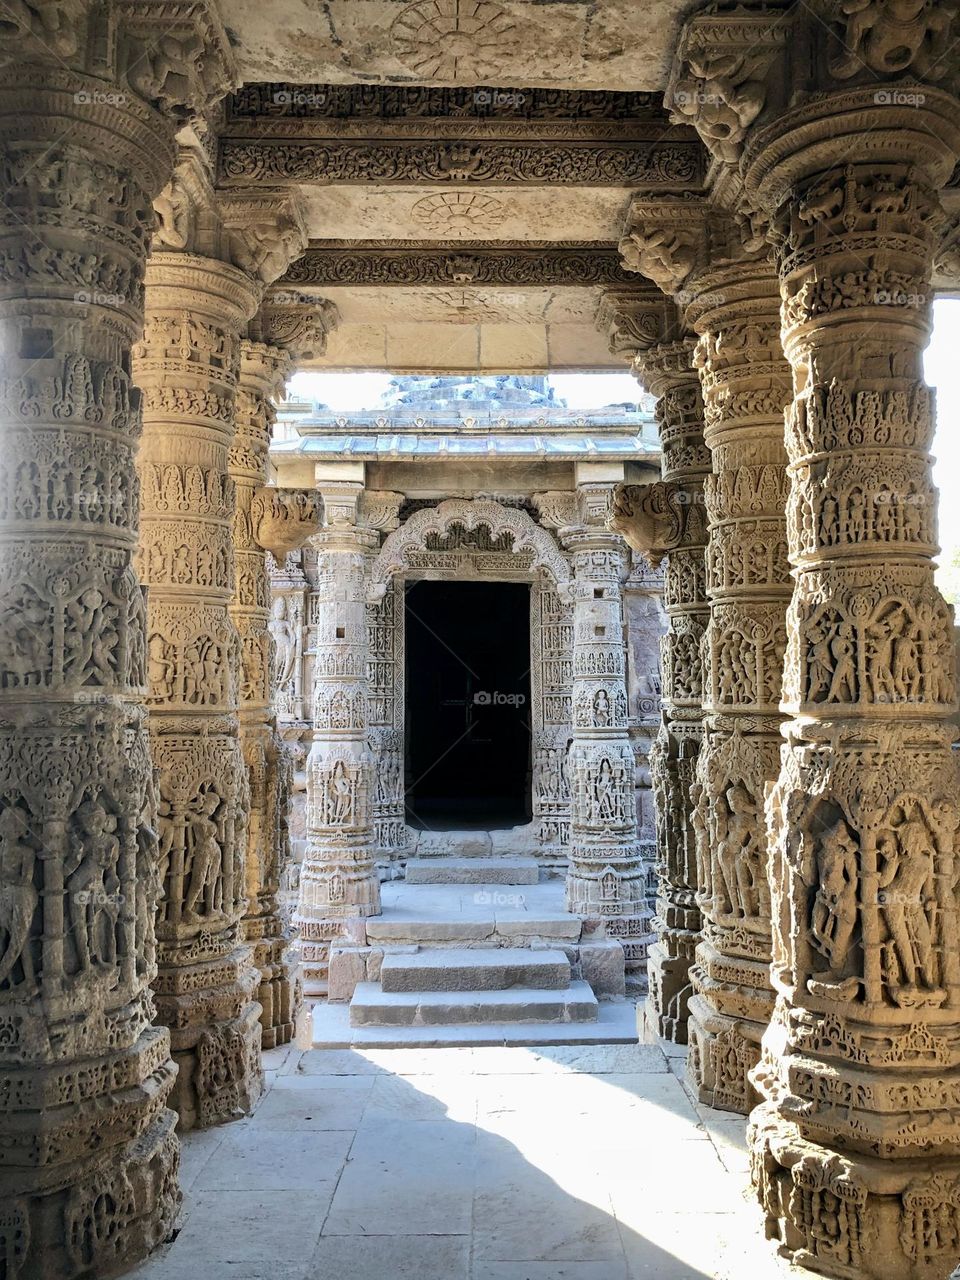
point(282, 520)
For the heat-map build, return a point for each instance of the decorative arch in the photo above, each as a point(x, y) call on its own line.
point(471, 513)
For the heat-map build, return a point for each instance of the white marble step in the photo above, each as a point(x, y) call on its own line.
point(472, 871)
point(372, 1006)
point(616, 1024)
point(477, 969)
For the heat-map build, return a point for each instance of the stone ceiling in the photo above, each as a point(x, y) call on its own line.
point(572, 44)
point(458, 229)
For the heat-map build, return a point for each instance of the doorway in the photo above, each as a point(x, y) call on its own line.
point(468, 704)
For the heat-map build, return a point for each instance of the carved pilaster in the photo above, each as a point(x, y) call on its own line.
point(88, 1177)
point(338, 881)
point(606, 877)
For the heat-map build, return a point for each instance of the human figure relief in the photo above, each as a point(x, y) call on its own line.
point(284, 638)
point(18, 896)
point(340, 798)
point(843, 685)
point(605, 796)
point(880, 638)
point(160, 667)
point(601, 709)
point(906, 664)
point(908, 902)
point(833, 915)
point(203, 857)
point(701, 833)
point(90, 882)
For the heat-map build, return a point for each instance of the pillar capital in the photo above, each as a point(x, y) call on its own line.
point(173, 57)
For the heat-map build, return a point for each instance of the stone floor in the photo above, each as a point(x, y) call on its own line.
point(561, 1163)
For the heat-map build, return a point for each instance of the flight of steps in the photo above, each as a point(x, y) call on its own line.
point(473, 985)
point(451, 961)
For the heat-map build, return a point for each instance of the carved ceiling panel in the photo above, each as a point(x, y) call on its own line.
point(554, 44)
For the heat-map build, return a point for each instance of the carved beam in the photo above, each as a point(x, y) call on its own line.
point(379, 264)
point(649, 163)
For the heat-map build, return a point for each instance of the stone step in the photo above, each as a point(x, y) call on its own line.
point(371, 1006)
point(478, 969)
point(472, 871)
point(511, 928)
point(616, 1024)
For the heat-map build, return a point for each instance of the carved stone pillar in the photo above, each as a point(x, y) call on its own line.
point(338, 880)
point(187, 365)
point(668, 519)
point(746, 384)
point(263, 369)
point(856, 1146)
point(385, 709)
point(646, 624)
point(88, 1173)
point(606, 876)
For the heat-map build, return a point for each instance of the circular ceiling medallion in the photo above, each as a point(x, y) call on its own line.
point(434, 37)
point(459, 214)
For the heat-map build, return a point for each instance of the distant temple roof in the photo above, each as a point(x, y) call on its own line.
point(506, 415)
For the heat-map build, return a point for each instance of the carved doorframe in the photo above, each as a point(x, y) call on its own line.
point(519, 550)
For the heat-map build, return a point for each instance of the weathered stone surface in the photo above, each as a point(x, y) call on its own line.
point(502, 870)
point(372, 1006)
point(601, 965)
point(475, 970)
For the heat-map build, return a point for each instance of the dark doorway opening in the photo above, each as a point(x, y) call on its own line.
point(468, 704)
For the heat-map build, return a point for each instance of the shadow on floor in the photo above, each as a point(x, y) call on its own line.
point(464, 1164)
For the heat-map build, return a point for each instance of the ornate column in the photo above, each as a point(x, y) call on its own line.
point(667, 519)
point(338, 880)
point(606, 876)
point(263, 369)
point(746, 384)
point(856, 1146)
point(279, 333)
point(204, 283)
point(88, 111)
point(187, 366)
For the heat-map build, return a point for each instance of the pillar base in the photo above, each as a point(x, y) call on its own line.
point(730, 1008)
point(669, 986)
point(723, 1052)
point(69, 1213)
point(851, 1215)
point(279, 993)
point(215, 1036)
